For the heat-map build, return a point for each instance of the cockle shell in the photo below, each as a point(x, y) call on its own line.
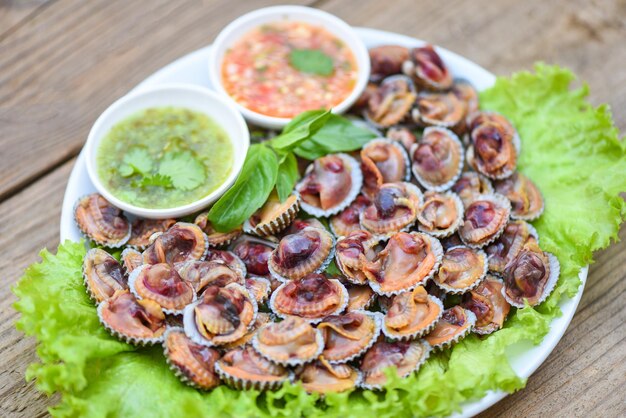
point(329, 185)
point(405, 356)
point(437, 159)
point(348, 336)
point(494, 145)
point(101, 222)
point(488, 304)
point(305, 252)
point(162, 284)
point(485, 219)
point(102, 274)
point(182, 242)
point(441, 214)
point(143, 229)
point(290, 342)
point(455, 324)
point(411, 315)
point(407, 261)
point(221, 315)
point(393, 209)
point(274, 216)
point(313, 298)
point(214, 237)
point(192, 363)
point(526, 199)
point(323, 377)
point(427, 68)
point(139, 322)
point(462, 269)
point(531, 276)
point(244, 368)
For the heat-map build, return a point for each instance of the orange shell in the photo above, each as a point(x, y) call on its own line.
point(323, 377)
point(302, 253)
point(313, 298)
point(347, 336)
point(182, 242)
point(488, 304)
point(406, 356)
point(102, 222)
point(412, 314)
point(221, 316)
point(162, 284)
point(102, 274)
point(193, 363)
point(408, 260)
point(455, 323)
point(244, 368)
point(401, 200)
point(134, 321)
point(290, 342)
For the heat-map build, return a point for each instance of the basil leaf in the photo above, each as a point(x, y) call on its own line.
point(299, 129)
point(287, 176)
point(312, 61)
point(250, 191)
point(337, 135)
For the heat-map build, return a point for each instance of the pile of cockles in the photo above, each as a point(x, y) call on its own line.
point(378, 257)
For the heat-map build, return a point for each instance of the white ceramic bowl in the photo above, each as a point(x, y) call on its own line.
point(240, 26)
point(187, 96)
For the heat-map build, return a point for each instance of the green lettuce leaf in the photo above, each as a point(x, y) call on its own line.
point(570, 149)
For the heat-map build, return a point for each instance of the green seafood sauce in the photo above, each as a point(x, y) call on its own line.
point(164, 157)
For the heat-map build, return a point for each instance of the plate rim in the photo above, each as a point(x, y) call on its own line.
point(558, 326)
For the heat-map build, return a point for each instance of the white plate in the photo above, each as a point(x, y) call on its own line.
point(525, 358)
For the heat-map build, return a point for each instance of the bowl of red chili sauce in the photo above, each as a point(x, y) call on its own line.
point(277, 62)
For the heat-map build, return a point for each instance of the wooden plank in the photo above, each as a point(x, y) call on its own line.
point(508, 36)
point(14, 13)
point(31, 223)
point(63, 68)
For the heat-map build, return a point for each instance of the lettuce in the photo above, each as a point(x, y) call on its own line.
point(570, 149)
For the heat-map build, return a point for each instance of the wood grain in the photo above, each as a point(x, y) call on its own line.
point(31, 223)
point(63, 68)
point(62, 62)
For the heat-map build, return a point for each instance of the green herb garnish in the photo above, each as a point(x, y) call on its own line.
point(272, 164)
point(175, 170)
point(312, 61)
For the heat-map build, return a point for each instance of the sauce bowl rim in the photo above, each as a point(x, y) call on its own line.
point(195, 96)
point(240, 26)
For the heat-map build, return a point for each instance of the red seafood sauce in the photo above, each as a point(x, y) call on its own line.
point(257, 71)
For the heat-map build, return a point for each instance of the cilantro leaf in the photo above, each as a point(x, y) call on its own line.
point(157, 180)
point(136, 161)
point(311, 61)
point(183, 169)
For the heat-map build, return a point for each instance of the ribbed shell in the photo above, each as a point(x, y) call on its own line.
point(411, 315)
point(102, 274)
point(446, 333)
point(244, 368)
point(101, 222)
point(348, 336)
point(316, 261)
point(462, 269)
point(330, 300)
point(483, 234)
point(290, 342)
point(120, 316)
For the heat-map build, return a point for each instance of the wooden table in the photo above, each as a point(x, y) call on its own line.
point(62, 62)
